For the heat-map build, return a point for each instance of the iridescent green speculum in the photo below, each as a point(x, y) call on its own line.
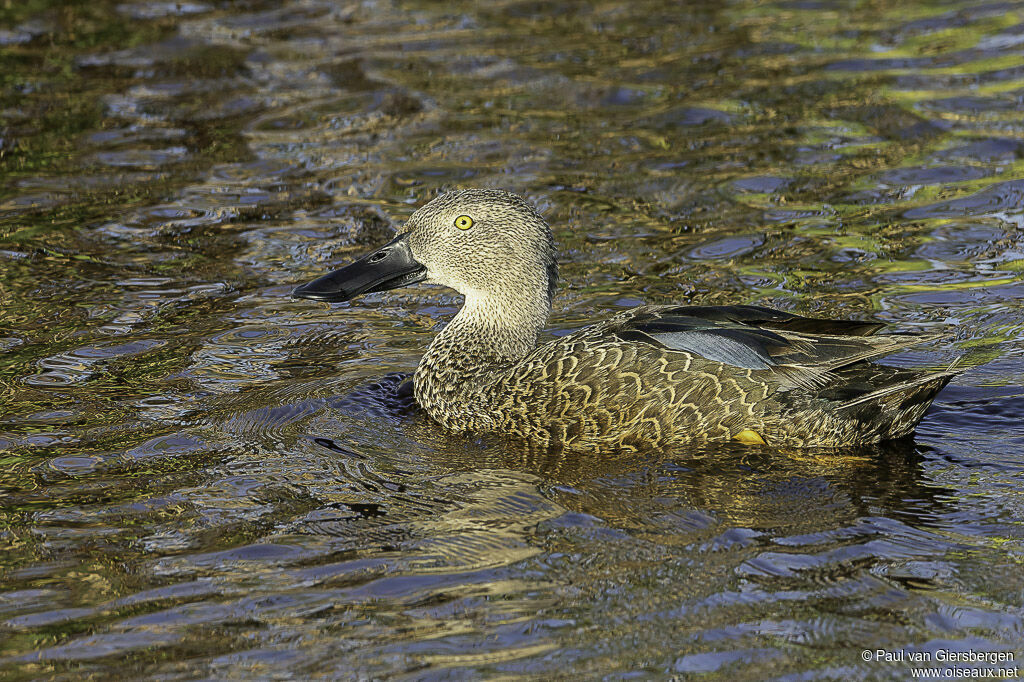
point(650, 377)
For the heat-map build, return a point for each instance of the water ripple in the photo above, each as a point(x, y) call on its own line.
point(205, 478)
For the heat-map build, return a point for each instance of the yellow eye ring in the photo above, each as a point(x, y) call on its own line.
point(463, 222)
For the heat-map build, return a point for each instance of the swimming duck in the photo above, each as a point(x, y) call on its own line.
point(650, 377)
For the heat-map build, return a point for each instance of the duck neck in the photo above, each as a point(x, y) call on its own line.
point(494, 328)
point(491, 332)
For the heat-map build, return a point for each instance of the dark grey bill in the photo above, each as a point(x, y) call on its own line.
point(389, 267)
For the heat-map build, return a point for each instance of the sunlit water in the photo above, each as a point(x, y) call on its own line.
point(205, 478)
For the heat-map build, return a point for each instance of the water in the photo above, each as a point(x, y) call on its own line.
point(203, 478)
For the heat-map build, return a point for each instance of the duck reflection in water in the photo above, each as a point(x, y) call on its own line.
point(692, 494)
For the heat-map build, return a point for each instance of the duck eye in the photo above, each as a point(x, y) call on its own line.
point(463, 222)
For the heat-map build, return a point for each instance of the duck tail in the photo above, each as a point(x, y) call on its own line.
point(897, 408)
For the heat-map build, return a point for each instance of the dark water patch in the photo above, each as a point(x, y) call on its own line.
point(729, 247)
point(964, 242)
point(177, 55)
point(390, 397)
point(159, 10)
point(891, 122)
point(81, 364)
point(970, 105)
point(763, 184)
point(101, 646)
point(205, 478)
point(688, 116)
point(1001, 200)
point(135, 134)
point(989, 150)
point(879, 64)
point(993, 408)
point(149, 159)
point(931, 175)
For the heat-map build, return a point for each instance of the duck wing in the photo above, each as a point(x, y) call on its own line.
point(795, 350)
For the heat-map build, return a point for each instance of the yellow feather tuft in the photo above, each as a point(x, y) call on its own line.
point(748, 437)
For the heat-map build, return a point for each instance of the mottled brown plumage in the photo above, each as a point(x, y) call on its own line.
point(651, 377)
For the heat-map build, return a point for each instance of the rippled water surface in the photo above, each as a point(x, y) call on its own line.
point(203, 478)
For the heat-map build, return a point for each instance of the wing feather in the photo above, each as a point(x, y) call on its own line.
point(799, 351)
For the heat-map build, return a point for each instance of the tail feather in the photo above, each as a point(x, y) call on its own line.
point(897, 408)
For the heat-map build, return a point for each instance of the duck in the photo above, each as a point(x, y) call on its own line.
point(652, 377)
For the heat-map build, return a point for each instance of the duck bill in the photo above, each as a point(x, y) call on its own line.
point(389, 267)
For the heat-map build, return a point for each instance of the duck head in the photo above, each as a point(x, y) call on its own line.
point(489, 245)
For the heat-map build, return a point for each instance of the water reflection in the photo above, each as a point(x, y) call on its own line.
point(204, 478)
